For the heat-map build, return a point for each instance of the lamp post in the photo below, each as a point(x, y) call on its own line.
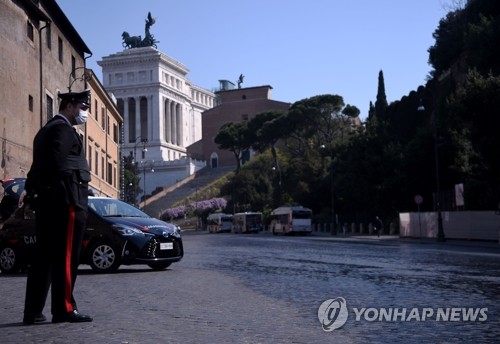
point(86, 75)
point(144, 178)
point(142, 141)
point(280, 192)
point(440, 235)
point(133, 167)
point(332, 199)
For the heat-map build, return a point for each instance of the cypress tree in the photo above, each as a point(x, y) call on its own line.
point(381, 102)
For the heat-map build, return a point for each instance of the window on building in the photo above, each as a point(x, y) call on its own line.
point(110, 174)
point(96, 160)
point(103, 118)
point(60, 49)
point(96, 112)
point(30, 31)
point(48, 37)
point(130, 77)
point(90, 157)
point(50, 106)
point(30, 103)
point(115, 132)
point(103, 172)
point(107, 124)
point(73, 67)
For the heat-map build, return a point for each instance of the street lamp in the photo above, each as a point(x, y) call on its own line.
point(142, 141)
point(133, 167)
point(280, 192)
point(440, 235)
point(144, 177)
point(332, 200)
point(86, 75)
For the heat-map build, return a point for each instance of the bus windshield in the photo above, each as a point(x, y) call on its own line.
point(301, 215)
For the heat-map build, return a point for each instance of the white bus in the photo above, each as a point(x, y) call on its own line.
point(249, 222)
point(219, 223)
point(296, 219)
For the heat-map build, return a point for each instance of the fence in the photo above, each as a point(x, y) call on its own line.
point(469, 225)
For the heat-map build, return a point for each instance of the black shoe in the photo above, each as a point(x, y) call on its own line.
point(71, 317)
point(30, 319)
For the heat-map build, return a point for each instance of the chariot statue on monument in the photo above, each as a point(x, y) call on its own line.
point(130, 42)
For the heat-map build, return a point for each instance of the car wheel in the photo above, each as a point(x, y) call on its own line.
point(9, 263)
point(103, 258)
point(159, 266)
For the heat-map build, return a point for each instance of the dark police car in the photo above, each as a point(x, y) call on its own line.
point(12, 189)
point(116, 234)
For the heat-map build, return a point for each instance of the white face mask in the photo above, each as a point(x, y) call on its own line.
point(82, 117)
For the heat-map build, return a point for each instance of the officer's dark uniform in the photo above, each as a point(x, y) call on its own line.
point(57, 189)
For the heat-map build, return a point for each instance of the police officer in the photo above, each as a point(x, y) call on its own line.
point(57, 189)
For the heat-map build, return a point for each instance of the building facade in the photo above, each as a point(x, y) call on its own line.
point(233, 105)
point(101, 135)
point(42, 55)
point(162, 110)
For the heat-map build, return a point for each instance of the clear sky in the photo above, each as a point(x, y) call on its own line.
point(302, 48)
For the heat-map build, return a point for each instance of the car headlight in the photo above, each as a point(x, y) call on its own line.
point(127, 230)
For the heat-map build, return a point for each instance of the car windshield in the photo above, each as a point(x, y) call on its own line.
point(109, 207)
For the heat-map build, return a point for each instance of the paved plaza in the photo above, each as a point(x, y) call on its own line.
point(261, 288)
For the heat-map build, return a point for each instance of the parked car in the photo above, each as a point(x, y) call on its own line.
point(116, 233)
point(12, 189)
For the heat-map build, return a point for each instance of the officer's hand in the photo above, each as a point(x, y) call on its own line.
point(21, 199)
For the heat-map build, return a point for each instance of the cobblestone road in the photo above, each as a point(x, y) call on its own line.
point(265, 289)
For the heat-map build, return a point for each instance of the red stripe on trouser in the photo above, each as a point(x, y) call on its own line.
point(68, 276)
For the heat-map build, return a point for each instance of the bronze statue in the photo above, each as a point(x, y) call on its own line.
point(240, 80)
point(130, 42)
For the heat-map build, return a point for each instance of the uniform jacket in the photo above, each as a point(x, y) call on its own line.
point(59, 167)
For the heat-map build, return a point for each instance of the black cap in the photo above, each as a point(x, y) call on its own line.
point(79, 97)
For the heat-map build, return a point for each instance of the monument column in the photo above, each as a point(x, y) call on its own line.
point(161, 120)
point(180, 125)
point(174, 123)
point(168, 121)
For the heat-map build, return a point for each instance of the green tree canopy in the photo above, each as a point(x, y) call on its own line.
point(235, 137)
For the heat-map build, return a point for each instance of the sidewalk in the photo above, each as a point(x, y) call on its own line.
point(383, 239)
point(397, 240)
